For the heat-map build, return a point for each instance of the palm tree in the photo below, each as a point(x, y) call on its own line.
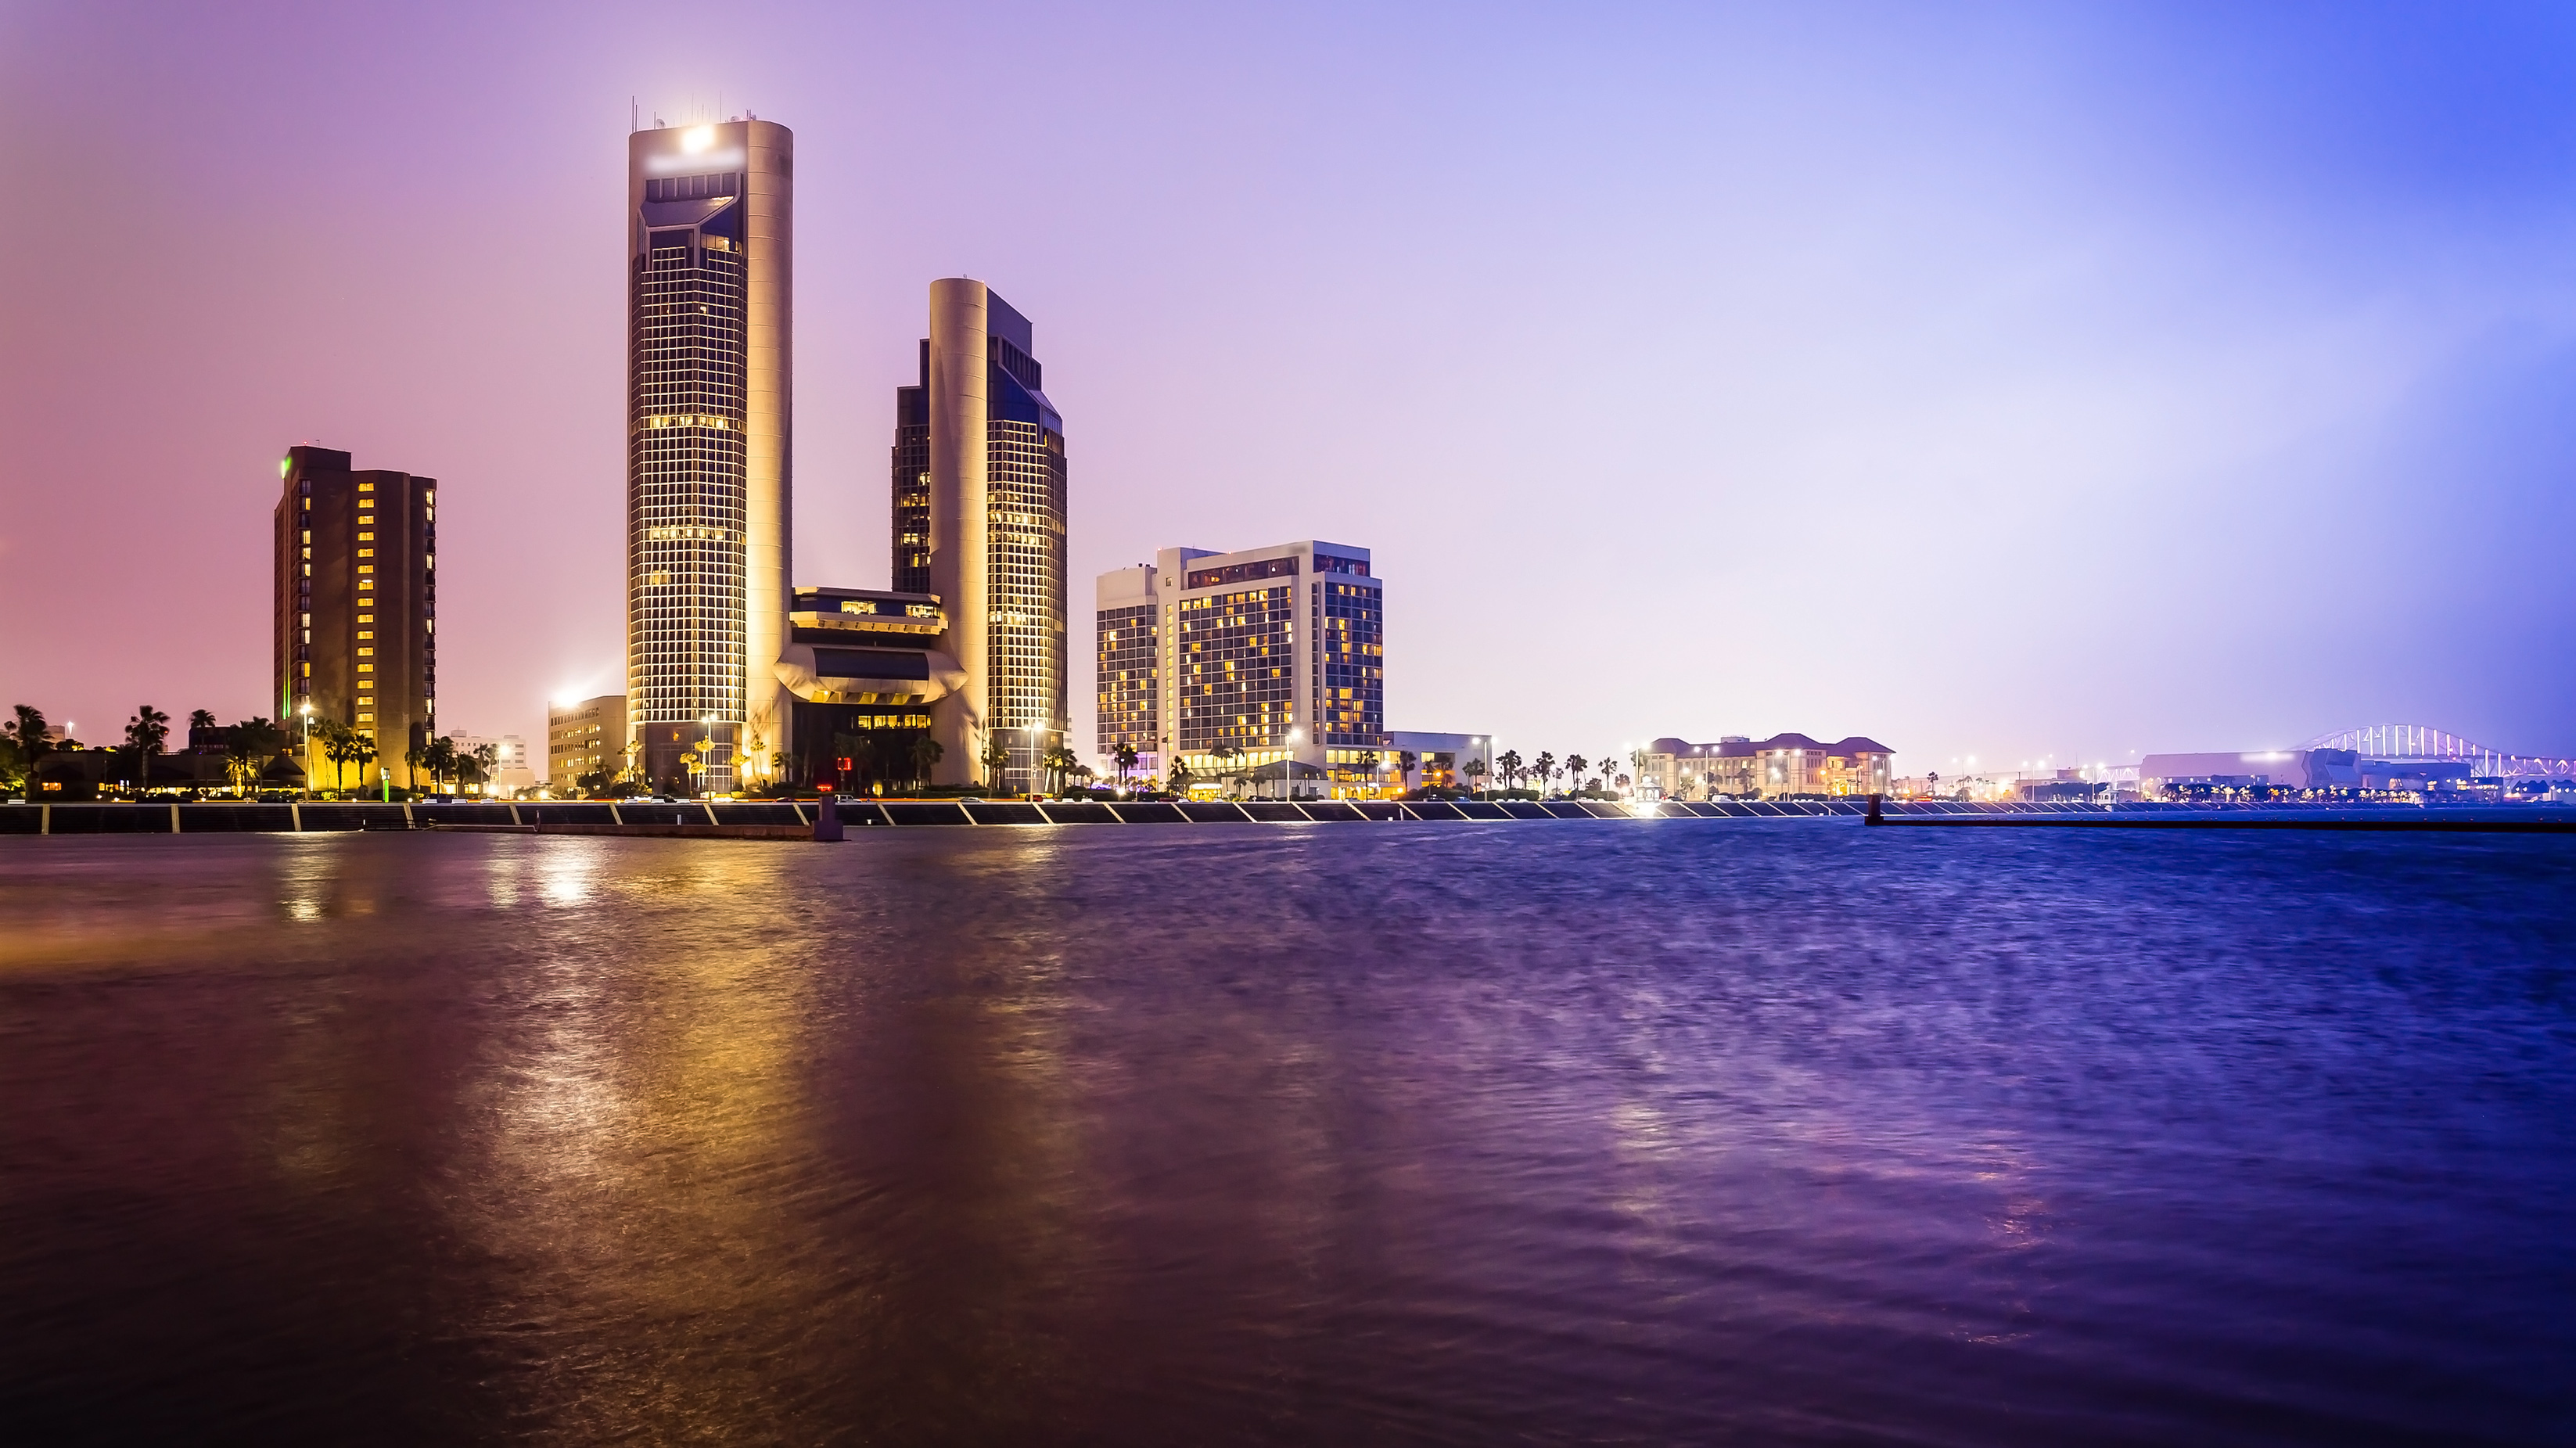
point(27, 733)
point(1574, 766)
point(1176, 780)
point(997, 758)
point(1545, 765)
point(362, 753)
point(248, 746)
point(199, 719)
point(1124, 756)
point(439, 755)
point(1060, 763)
point(485, 758)
point(335, 747)
point(925, 753)
point(1510, 764)
point(1475, 772)
point(144, 734)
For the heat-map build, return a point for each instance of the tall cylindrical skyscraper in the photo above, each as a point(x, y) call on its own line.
point(708, 491)
point(995, 527)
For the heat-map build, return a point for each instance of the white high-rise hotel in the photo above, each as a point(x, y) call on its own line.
point(1271, 661)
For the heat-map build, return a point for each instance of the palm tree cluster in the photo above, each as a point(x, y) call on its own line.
point(250, 748)
point(1547, 769)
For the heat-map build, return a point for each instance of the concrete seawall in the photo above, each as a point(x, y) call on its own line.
point(795, 821)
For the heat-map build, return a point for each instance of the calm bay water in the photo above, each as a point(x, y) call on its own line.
point(1657, 1132)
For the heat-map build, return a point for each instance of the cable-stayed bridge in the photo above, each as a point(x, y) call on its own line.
point(2422, 743)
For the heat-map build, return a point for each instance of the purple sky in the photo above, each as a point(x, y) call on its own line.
point(2059, 380)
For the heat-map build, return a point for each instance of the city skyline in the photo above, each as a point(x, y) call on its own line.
point(2062, 418)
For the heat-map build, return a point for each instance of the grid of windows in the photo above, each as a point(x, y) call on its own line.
point(686, 570)
point(1129, 682)
point(1024, 469)
point(356, 641)
point(1350, 663)
point(911, 492)
point(1233, 668)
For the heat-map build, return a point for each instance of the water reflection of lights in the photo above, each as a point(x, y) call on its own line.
point(628, 1090)
point(501, 878)
point(566, 872)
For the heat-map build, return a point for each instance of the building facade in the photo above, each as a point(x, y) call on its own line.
point(510, 772)
point(1437, 761)
point(1271, 666)
point(708, 491)
point(2293, 769)
point(1126, 668)
point(1784, 764)
point(356, 605)
point(864, 671)
point(979, 518)
point(586, 738)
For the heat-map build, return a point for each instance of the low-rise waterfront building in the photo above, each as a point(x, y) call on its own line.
point(2300, 769)
point(1784, 764)
point(865, 668)
point(510, 772)
point(585, 738)
point(1436, 761)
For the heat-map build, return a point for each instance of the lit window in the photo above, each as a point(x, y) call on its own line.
point(366, 537)
point(366, 718)
point(366, 552)
point(366, 618)
point(366, 487)
point(366, 653)
point(366, 633)
point(366, 668)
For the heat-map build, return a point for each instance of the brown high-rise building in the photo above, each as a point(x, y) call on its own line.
point(357, 606)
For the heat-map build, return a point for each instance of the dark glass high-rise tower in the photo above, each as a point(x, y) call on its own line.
point(979, 490)
point(708, 491)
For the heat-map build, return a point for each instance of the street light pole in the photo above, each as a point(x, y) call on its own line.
point(306, 710)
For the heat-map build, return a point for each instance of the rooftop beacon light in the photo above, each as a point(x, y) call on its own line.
point(697, 138)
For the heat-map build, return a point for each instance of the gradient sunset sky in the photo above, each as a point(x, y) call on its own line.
point(2065, 380)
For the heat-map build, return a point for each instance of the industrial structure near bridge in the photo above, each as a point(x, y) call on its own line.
point(2370, 759)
